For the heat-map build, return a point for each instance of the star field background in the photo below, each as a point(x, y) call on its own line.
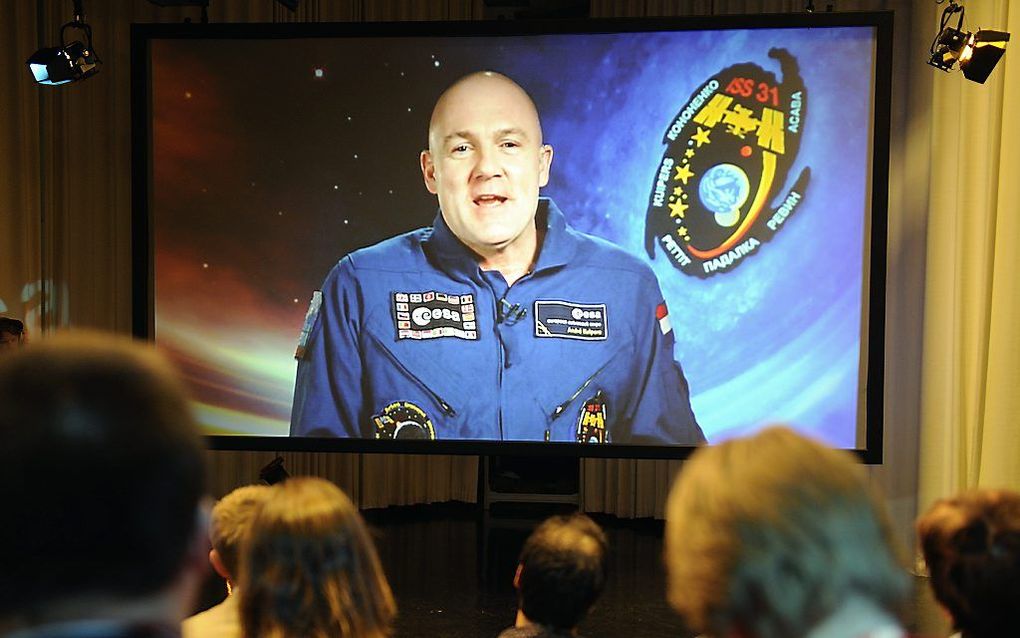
point(274, 158)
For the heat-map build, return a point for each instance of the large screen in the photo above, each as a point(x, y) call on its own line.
point(681, 241)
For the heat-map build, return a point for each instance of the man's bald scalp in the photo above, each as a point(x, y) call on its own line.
point(475, 77)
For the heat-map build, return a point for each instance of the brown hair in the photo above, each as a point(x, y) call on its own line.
point(772, 534)
point(309, 568)
point(563, 571)
point(971, 543)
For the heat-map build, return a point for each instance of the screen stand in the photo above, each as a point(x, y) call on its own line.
point(524, 479)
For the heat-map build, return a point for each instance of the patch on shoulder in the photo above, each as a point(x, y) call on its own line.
point(311, 315)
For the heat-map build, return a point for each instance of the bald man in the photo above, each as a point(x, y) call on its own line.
point(499, 322)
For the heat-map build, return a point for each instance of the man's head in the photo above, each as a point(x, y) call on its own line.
point(562, 571)
point(12, 334)
point(229, 522)
point(486, 162)
point(769, 535)
point(971, 544)
point(102, 471)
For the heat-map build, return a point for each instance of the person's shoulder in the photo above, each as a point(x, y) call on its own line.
point(600, 253)
point(395, 254)
point(222, 620)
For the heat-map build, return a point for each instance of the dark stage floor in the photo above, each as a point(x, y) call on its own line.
point(451, 569)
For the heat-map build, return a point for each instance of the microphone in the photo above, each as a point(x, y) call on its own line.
point(509, 313)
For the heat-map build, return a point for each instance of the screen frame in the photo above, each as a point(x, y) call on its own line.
point(873, 338)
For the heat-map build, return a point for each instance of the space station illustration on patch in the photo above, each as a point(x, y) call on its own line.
point(728, 152)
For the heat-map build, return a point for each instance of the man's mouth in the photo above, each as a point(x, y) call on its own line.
point(489, 200)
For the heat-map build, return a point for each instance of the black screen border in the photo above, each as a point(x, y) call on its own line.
point(143, 295)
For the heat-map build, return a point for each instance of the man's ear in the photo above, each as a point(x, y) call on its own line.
point(217, 564)
point(545, 157)
point(517, 576)
point(428, 171)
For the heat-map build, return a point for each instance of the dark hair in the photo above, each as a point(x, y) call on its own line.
point(563, 571)
point(11, 325)
point(971, 544)
point(102, 470)
point(309, 568)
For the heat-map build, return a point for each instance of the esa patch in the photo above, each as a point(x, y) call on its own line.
point(568, 320)
point(431, 314)
point(591, 422)
point(403, 420)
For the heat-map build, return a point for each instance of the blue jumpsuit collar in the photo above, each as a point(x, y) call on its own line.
point(557, 249)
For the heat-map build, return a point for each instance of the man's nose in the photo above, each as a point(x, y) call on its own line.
point(488, 164)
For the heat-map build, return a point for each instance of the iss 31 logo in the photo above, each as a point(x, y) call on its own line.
point(728, 152)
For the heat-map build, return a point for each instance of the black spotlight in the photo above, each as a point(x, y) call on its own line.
point(71, 61)
point(982, 53)
point(274, 472)
point(977, 53)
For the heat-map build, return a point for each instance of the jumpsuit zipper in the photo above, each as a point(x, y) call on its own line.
point(446, 407)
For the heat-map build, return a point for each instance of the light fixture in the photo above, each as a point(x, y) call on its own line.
point(981, 54)
point(71, 61)
point(977, 52)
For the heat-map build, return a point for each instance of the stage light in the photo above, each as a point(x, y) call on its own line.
point(977, 53)
point(982, 53)
point(274, 472)
point(71, 61)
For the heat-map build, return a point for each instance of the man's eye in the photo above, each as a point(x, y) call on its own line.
point(510, 144)
point(461, 148)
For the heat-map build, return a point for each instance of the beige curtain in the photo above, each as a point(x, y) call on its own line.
point(971, 371)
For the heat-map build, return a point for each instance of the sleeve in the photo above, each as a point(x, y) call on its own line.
point(662, 409)
point(327, 392)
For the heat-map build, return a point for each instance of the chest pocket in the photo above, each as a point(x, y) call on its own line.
point(584, 372)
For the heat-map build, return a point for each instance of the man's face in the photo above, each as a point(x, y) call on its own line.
point(486, 162)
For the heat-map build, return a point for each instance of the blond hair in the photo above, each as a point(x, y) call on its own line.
point(309, 568)
point(230, 519)
point(772, 533)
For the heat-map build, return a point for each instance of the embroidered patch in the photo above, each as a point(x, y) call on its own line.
point(568, 320)
point(662, 314)
point(403, 420)
point(591, 422)
point(431, 314)
point(306, 330)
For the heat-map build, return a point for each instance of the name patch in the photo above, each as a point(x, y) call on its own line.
point(568, 320)
point(431, 314)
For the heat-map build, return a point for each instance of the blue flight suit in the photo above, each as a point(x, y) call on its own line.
point(412, 339)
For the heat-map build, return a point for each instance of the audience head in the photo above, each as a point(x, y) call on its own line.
point(229, 522)
point(562, 571)
point(12, 334)
point(971, 544)
point(772, 535)
point(309, 568)
point(102, 470)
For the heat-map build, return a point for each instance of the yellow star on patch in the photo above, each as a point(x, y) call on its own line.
point(683, 173)
point(678, 191)
point(677, 208)
point(689, 153)
point(701, 137)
